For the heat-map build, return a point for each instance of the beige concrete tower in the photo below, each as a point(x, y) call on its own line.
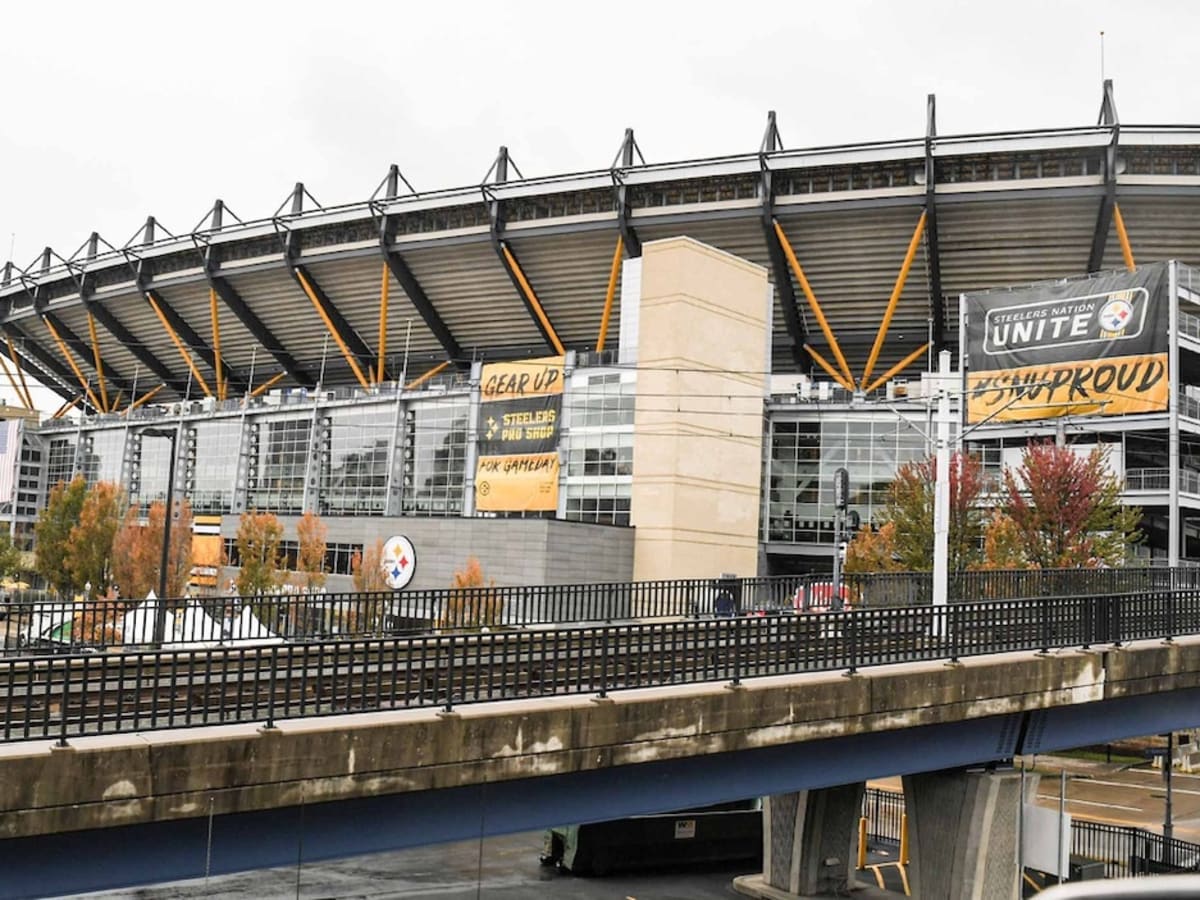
point(702, 357)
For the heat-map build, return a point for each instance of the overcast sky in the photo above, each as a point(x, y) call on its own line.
point(116, 111)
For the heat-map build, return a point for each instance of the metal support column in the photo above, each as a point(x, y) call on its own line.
point(780, 273)
point(395, 473)
point(1173, 511)
point(1104, 217)
point(937, 302)
point(629, 239)
point(408, 281)
point(508, 258)
point(472, 460)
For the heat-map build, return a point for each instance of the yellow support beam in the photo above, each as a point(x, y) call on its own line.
point(12, 353)
point(62, 347)
point(116, 401)
point(267, 385)
point(145, 398)
point(898, 367)
point(527, 290)
point(417, 382)
point(187, 357)
point(12, 379)
point(384, 288)
point(893, 300)
point(98, 362)
point(216, 330)
point(833, 373)
point(66, 407)
point(1123, 237)
point(816, 307)
point(337, 338)
point(613, 274)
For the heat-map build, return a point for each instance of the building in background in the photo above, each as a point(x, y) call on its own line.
point(726, 334)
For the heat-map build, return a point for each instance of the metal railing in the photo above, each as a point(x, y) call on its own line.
point(1159, 479)
point(40, 627)
point(1124, 849)
point(70, 696)
point(65, 625)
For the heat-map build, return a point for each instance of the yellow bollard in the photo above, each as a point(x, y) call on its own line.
point(904, 839)
point(862, 842)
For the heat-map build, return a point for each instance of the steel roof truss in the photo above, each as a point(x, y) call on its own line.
point(194, 341)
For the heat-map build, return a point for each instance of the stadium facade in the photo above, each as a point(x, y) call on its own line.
point(651, 370)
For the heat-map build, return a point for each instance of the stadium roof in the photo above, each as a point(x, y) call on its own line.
point(519, 266)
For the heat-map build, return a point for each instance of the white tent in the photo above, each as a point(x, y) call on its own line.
point(248, 630)
point(137, 627)
point(195, 628)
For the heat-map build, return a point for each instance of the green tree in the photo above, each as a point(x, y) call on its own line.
point(10, 556)
point(1067, 510)
point(259, 540)
point(909, 510)
point(53, 534)
point(91, 537)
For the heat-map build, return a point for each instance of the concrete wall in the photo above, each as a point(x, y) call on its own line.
point(697, 455)
point(891, 720)
point(510, 551)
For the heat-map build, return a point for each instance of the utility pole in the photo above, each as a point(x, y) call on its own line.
point(941, 488)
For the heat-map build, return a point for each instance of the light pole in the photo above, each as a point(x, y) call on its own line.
point(160, 609)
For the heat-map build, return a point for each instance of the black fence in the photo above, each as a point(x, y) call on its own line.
point(38, 626)
point(916, 588)
point(63, 696)
point(1123, 849)
point(64, 625)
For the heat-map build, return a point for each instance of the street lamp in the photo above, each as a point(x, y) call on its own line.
point(160, 609)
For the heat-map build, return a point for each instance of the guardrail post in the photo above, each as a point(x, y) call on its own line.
point(271, 689)
point(1115, 604)
point(62, 709)
point(1170, 617)
point(850, 625)
point(1044, 625)
point(735, 624)
point(449, 707)
point(603, 662)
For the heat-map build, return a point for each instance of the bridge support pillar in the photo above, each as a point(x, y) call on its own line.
point(963, 834)
point(810, 843)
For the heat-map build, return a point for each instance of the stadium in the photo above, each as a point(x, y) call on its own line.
point(685, 351)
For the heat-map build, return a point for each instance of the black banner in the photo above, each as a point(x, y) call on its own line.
point(528, 425)
point(1094, 346)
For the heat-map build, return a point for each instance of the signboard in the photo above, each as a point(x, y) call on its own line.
point(1095, 346)
point(206, 551)
point(520, 413)
point(399, 561)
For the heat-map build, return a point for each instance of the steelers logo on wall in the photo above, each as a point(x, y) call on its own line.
point(399, 561)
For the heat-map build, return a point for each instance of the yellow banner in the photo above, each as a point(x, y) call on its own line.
point(542, 377)
point(526, 482)
point(1110, 387)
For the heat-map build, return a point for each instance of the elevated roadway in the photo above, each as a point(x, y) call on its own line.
point(158, 806)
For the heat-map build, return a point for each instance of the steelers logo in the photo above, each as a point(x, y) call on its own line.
point(399, 561)
point(485, 488)
point(1115, 315)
